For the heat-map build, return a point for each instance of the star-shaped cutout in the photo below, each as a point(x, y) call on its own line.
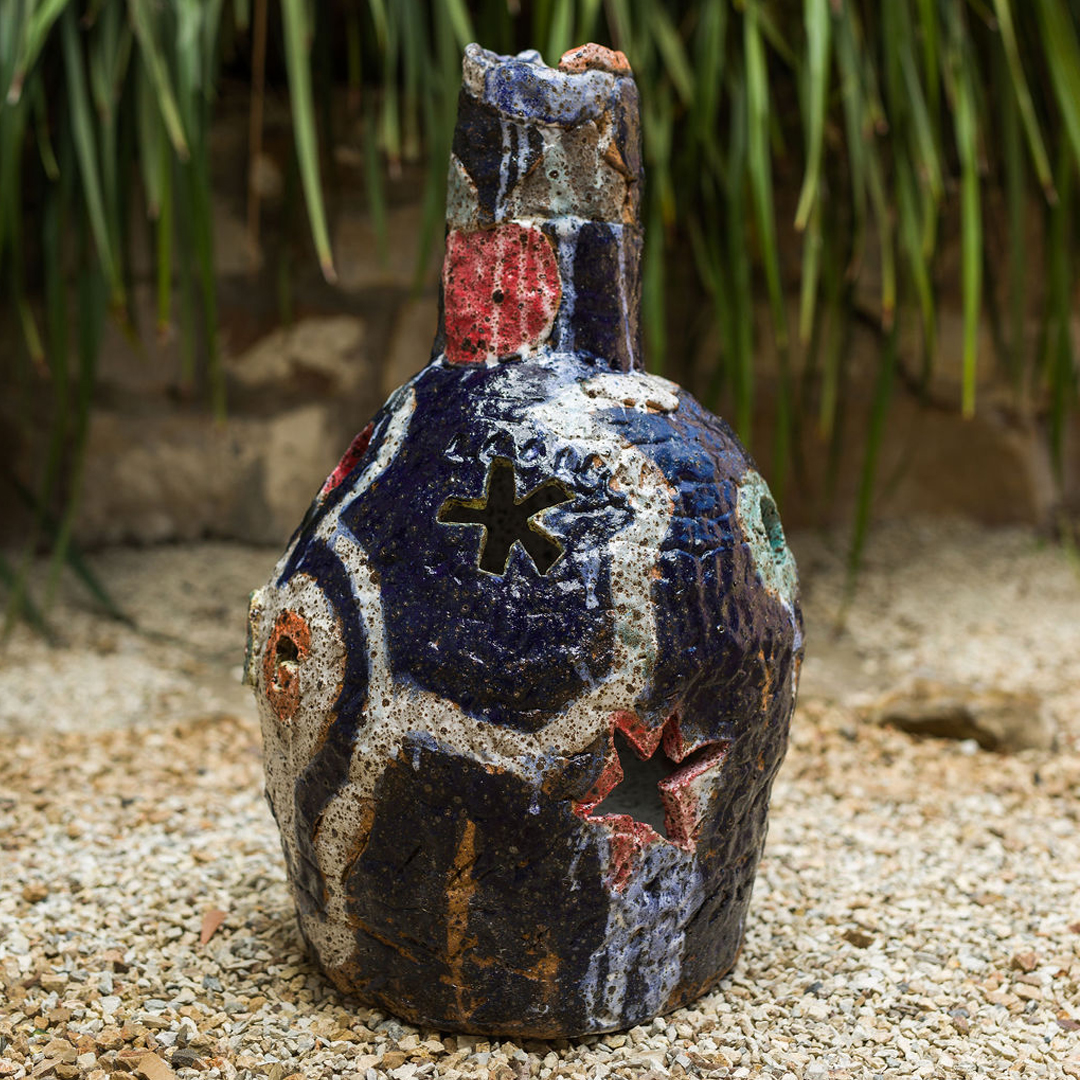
point(507, 520)
point(659, 791)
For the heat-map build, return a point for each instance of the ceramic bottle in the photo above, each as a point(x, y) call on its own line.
point(526, 669)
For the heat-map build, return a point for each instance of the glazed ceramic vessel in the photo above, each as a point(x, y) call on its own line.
point(525, 670)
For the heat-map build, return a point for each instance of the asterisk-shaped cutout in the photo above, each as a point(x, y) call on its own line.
point(508, 520)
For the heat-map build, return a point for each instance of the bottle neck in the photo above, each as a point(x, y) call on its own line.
point(544, 237)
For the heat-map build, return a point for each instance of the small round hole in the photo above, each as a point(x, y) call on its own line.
point(286, 651)
point(770, 518)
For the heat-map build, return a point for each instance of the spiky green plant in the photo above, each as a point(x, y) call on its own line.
point(895, 118)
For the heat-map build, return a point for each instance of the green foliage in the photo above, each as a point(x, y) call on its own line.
point(894, 120)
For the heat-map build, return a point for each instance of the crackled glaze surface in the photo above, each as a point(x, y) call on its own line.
point(526, 669)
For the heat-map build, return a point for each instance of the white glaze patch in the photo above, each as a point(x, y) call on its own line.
point(634, 390)
point(290, 745)
point(462, 201)
point(567, 231)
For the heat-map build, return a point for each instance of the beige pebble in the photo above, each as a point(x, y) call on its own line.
point(961, 870)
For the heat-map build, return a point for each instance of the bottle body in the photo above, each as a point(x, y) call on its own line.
point(525, 671)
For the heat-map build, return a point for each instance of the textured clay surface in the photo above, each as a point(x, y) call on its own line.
point(526, 669)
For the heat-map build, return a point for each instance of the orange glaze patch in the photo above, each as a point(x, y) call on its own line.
point(593, 57)
point(286, 649)
point(459, 891)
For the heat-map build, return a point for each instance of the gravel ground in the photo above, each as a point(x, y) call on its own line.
point(917, 912)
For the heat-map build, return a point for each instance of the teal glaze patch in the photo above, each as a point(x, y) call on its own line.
point(760, 521)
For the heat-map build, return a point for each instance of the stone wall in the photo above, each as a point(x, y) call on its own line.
point(994, 468)
point(159, 468)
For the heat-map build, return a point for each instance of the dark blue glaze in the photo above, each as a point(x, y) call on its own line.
point(512, 649)
point(478, 145)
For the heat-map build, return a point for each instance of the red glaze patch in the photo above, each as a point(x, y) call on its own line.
point(675, 743)
point(286, 649)
point(682, 793)
point(644, 740)
point(357, 449)
point(609, 777)
point(501, 292)
point(628, 838)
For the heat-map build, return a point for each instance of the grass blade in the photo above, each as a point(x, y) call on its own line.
point(876, 186)
point(833, 347)
point(1003, 10)
point(560, 30)
point(196, 174)
point(93, 585)
point(710, 270)
point(255, 127)
point(855, 126)
point(659, 211)
point(817, 21)
point(588, 12)
point(142, 21)
point(879, 413)
point(381, 22)
point(83, 136)
point(164, 240)
point(922, 126)
point(92, 297)
point(1015, 204)
point(41, 127)
point(1060, 362)
point(741, 337)
point(13, 23)
point(13, 120)
point(184, 280)
point(31, 336)
point(811, 269)
point(709, 65)
point(910, 231)
point(759, 162)
point(148, 118)
point(1063, 62)
point(771, 32)
point(618, 18)
point(414, 57)
point(297, 46)
point(440, 111)
point(36, 31)
point(759, 166)
point(971, 239)
point(670, 47)
point(928, 34)
point(458, 14)
point(652, 287)
point(374, 186)
point(11, 578)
